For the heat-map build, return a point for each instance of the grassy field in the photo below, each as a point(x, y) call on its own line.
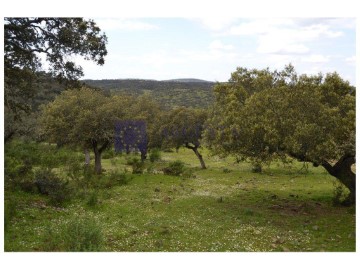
point(223, 208)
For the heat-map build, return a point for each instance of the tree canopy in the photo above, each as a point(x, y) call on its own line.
point(183, 127)
point(83, 117)
point(55, 40)
point(310, 118)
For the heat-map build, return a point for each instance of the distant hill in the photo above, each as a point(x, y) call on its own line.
point(189, 80)
point(187, 92)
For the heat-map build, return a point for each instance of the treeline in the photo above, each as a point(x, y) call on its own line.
point(170, 94)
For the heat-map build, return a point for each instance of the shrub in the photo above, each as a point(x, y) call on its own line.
point(257, 168)
point(18, 174)
point(48, 183)
point(79, 234)
point(226, 170)
point(9, 212)
point(83, 234)
point(109, 153)
point(339, 194)
point(188, 173)
point(119, 178)
point(137, 165)
point(175, 168)
point(155, 155)
point(93, 199)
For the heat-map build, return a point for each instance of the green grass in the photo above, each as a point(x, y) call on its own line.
point(282, 209)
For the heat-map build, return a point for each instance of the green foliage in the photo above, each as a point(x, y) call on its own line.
point(226, 170)
point(137, 165)
point(339, 194)
point(83, 234)
point(155, 155)
point(119, 178)
point(10, 209)
point(109, 153)
point(169, 94)
point(175, 168)
point(79, 234)
point(48, 183)
point(25, 39)
point(181, 127)
point(261, 115)
point(188, 173)
point(93, 199)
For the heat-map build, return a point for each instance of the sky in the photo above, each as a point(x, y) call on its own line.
point(212, 48)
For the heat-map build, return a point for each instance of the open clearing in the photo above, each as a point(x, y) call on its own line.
point(223, 208)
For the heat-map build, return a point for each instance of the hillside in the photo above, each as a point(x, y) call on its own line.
point(170, 93)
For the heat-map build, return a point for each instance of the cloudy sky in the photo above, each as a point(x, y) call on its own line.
point(212, 48)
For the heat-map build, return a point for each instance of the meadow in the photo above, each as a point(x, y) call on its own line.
point(227, 207)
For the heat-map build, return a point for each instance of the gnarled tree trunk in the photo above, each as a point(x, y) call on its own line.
point(97, 153)
point(199, 156)
point(342, 171)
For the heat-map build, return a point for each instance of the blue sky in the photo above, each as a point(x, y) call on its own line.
point(211, 48)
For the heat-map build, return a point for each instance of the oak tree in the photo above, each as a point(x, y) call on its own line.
point(309, 118)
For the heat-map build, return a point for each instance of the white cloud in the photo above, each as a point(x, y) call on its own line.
point(315, 58)
point(217, 23)
point(284, 36)
point(351, 60)
point(106, 24)
point(218, 45)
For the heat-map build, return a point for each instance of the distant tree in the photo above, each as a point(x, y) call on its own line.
point(183, 127)
point(148, 110)
point(309, 118)
point(83, 118)
point(27, 40)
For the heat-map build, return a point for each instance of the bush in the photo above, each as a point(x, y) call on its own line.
point(226, 170)
point(155, 155)
point(257, 168)
point(9, 212)
point(79, 234)
point(18, 174)
point(48, 183)
point(119, 178)
point(175, 168)
point(188, 174)
point(83, 234)
point(93, 199)
point(137, 165)
point(339, 193)
point(109, 153)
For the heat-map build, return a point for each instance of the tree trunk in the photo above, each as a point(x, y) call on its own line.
point(199, 157)
point(143, 155)
point(87, 157)
point(97, 153)
point(98, 168)
point(342, 171)
point(195, 149)
point(8, 136)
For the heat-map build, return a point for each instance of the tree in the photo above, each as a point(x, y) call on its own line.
point(309, 118)
point(183, 127)
point(146, 109)
point(27, 40)
point(84, 117)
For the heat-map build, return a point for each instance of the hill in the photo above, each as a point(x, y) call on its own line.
point(169, 93)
